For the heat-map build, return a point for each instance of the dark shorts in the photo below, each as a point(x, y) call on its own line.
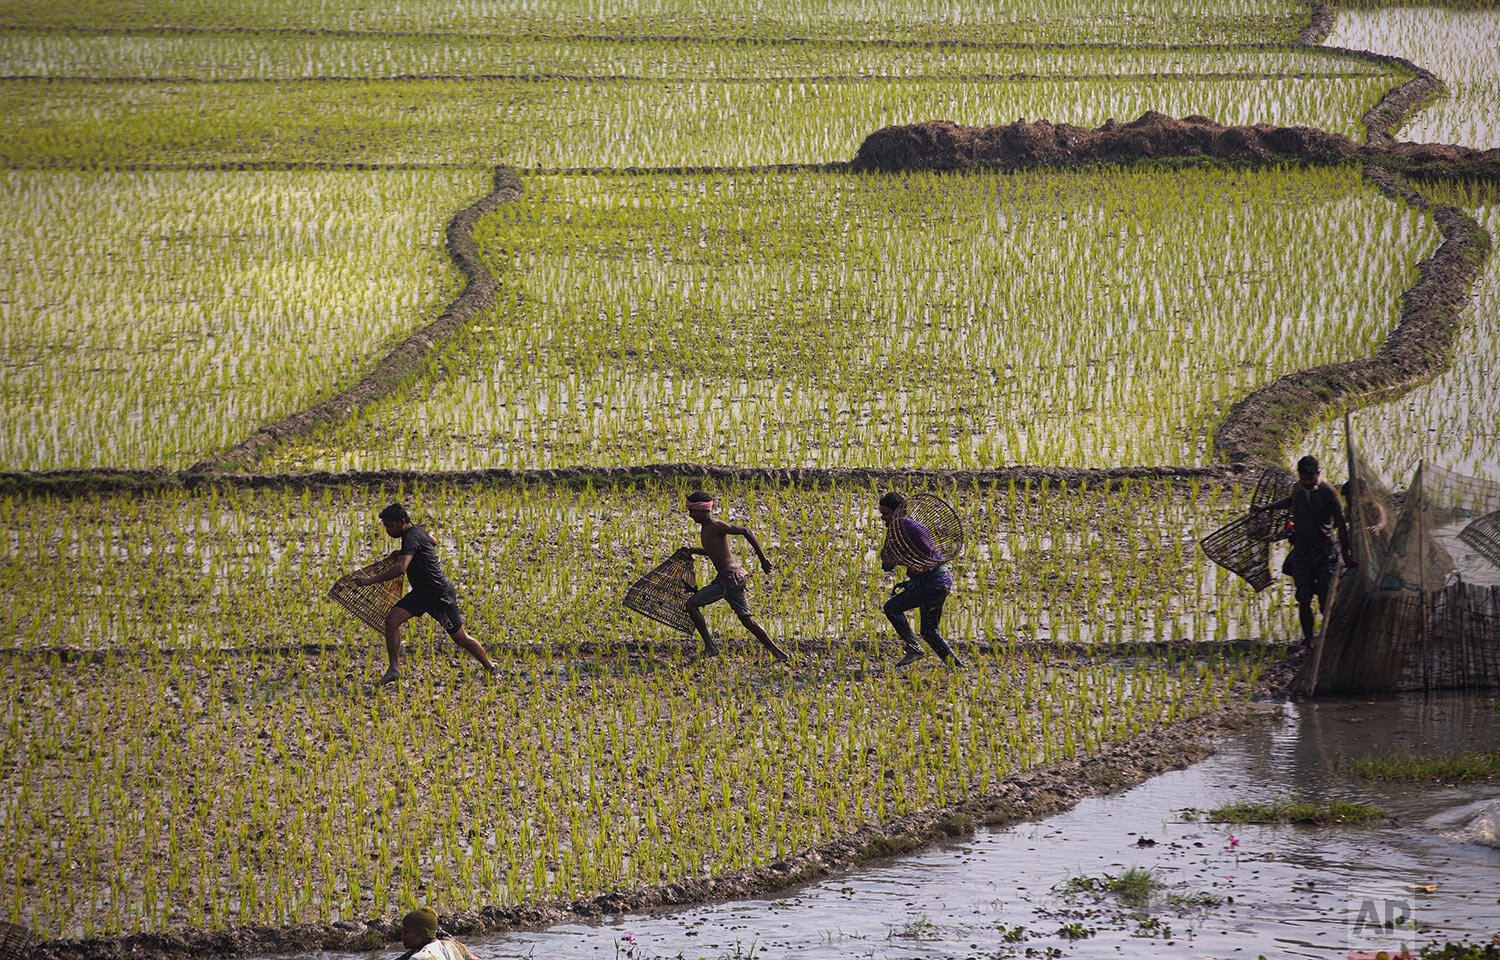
point(1312, 573)
point(721, 589)
point(443, 609)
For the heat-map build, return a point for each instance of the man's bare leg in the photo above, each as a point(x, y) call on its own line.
point(393, 621)
point(709, 649)
point(473, 648)
point(759, 633)
point(1305, 616)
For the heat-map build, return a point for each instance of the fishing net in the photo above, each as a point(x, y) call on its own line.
point(662, 594)
point(941, 522)
point(1483, 535)
point(15, 941)
point(1242, 546)
point(1422, 611)
point(368, 604)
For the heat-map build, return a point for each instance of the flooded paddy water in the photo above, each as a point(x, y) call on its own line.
point(1230, 890)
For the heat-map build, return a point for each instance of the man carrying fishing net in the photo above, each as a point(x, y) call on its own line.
point(431, 592)
point(729, 585)
point(928, 580)
point(1314, 561)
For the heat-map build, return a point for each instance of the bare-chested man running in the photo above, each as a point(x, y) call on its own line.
point(730, 583)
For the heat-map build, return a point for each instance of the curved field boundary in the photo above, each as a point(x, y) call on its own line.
point(639, 78)
point(1319, 26)
point(81, 482)
point(1259, 427)
point(1027, 795)
point(407, 356)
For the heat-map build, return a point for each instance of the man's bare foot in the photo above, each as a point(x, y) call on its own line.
point(709, 652)
point(391, 676)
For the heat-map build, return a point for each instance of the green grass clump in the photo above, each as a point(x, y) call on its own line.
point(1451, 768)
point(1291, 810)
point(1135, 887)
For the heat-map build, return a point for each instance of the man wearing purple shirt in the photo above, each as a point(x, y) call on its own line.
point(927, 585)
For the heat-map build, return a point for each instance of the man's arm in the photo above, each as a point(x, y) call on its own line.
point(754, 545)
point(399, 570)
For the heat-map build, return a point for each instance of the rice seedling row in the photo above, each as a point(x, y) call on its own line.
point(550, 565)
point(1453, 419)
point(1112, 21)
point(1457, 45)
point(282, 792)
point(230, 56)
point(571, 124)
point(829, 319)
point(153, 318)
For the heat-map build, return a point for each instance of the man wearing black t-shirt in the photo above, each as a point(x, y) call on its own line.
point(430, 593)
point(1313, 562)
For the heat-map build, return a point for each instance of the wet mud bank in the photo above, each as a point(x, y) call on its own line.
point(1023, 796)
point(89, 482)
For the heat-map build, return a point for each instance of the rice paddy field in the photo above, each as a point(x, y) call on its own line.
point(1453, 419)
point(1456, 44)
point(215, 215)
point(830, 319)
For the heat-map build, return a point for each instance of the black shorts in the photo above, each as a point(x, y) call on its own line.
point(443, 609)
point(1311, 573)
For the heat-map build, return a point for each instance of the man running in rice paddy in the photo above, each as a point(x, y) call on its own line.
point(431, 592)
point(729, 585)
point(926, 587)
point(1313, 562)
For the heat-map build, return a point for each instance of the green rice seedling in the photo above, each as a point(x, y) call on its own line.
point(829, 319)
point(1111, 21)
point(154, 318)
point(599, 123)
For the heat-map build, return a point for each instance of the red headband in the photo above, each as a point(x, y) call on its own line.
point(700, 505)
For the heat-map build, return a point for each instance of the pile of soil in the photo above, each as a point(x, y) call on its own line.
point(941, 145)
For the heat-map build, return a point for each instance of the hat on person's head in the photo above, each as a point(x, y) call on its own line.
point(1308, 466)
point(421, 921)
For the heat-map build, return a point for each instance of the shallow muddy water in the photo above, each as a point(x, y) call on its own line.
point(1283, 891)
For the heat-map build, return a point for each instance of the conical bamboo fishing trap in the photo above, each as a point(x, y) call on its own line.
point(1243, 546)
point(941, 521)
point(368, 604)
point(662, 594)
point(15, 941)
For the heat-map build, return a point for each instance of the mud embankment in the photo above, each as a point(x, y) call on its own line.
point(406, 358)
point(1025, 796)
point(83, 482)
point(1152, 138)
point(815, 647)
